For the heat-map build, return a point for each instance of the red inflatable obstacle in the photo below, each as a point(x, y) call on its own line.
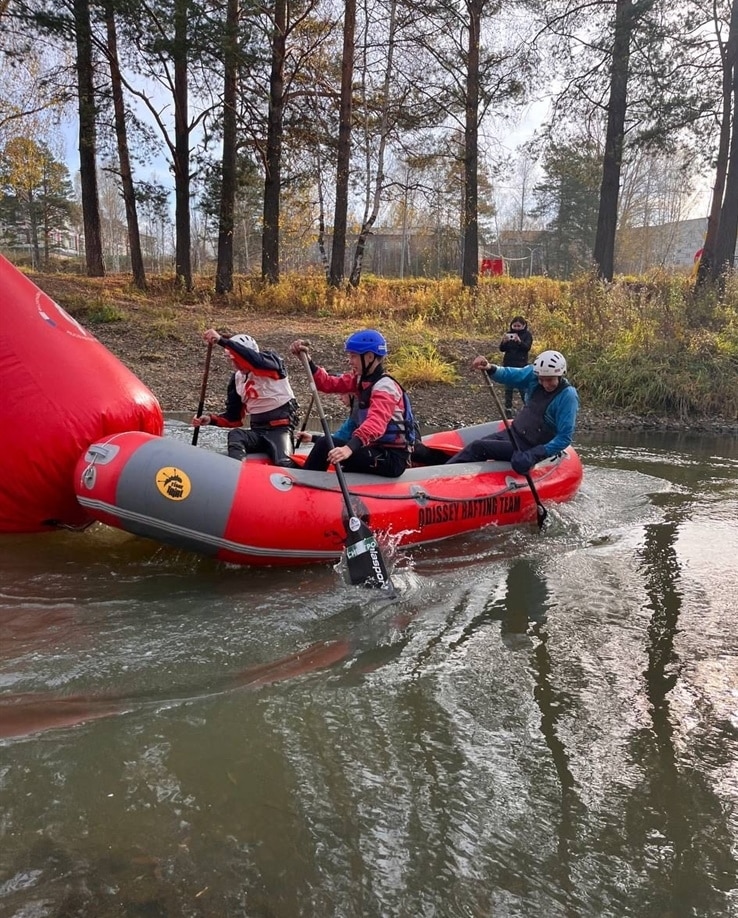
point(60, 390)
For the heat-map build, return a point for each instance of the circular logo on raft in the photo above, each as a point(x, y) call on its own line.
point(173, 483)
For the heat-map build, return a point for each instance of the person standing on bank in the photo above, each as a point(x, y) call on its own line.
point(545, 424)
point(515, 346)
point(259, 388)
point(380, 443)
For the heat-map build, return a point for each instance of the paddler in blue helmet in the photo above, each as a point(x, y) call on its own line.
point(382, 439)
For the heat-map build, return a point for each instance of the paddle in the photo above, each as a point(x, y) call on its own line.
point(540, 509)
point(307, 413)
point(203, 389)
point(363, 556)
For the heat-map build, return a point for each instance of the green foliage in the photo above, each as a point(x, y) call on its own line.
point(568, 199)
point(36, 197)
point(680, 385)
point(95, 313)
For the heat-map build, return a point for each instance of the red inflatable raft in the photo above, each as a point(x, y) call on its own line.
point(255, 513)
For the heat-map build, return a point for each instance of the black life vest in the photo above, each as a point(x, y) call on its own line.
point(530, 424)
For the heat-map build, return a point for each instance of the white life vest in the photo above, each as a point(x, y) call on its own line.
point(260, 393)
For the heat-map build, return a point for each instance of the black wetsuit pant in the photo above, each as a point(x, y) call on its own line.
point(374, 460)
point(276, 442)
point(495, 446)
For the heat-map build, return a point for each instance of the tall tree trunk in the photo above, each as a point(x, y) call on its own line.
point(607, 217)
point(183, 247)
point(33, 227)
point(338, 253)
point(273, 161)
point(124, 159)
point(88, 141)
point(371, 217)
point(710, 266)
point(728, 226)
point(321, 205)
point(224, 271)
point(470, 264)
point(46, 231)
point(707, 258)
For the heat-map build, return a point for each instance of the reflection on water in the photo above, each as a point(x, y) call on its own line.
point(543, 724)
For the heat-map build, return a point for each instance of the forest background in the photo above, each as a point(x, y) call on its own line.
point(293, 128)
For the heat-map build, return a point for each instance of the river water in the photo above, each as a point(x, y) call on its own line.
point(544, 724)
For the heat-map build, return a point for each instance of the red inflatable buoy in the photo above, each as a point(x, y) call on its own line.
point(60, 390)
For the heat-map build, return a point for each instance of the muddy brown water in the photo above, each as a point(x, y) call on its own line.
point(543, 724)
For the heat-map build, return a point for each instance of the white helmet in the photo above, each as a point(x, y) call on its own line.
point(246, 341)
point(550, 363)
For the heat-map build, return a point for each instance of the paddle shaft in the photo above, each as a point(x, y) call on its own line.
point(540, 509)
point(307, 413)
point(363, 556)
point(203, 390)
point(327, 432)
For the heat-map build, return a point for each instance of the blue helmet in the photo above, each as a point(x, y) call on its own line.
point(366, 341)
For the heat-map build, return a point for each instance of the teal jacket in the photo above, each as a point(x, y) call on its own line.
point(561, 414)
point(345, 431)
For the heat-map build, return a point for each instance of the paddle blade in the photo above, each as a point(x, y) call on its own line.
point(542, 514)
point(364, 559)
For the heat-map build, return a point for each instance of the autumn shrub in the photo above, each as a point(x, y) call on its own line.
point(97, 311)
point(422, 365)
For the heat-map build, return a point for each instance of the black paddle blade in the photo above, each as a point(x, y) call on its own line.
point(364, 559)
point(540, 509)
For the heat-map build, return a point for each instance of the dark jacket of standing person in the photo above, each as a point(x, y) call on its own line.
point(516, 343)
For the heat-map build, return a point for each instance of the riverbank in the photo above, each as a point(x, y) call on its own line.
point(162, 345)
point(173, 370)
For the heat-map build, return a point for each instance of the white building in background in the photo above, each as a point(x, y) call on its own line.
point(672, 246)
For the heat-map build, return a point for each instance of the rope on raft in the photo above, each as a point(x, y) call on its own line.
point(418, 494)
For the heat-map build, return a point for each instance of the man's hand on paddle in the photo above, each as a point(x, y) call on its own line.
point(300, 347)
point(339, 454)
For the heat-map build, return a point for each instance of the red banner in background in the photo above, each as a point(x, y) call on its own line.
point(492, 267)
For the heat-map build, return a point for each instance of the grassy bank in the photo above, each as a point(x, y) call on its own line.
point(644, 346)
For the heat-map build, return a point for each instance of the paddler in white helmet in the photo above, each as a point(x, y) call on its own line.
point(259, 387)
